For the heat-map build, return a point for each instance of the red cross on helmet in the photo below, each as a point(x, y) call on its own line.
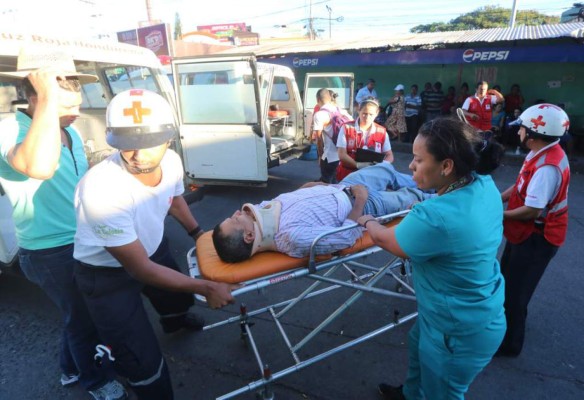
point(139, 119)
point(545, 119)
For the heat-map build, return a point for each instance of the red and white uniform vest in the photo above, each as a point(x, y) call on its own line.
point(553, 222)
point(375, 142)
point(484, 111)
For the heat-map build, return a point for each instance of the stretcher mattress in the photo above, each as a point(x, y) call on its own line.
point(211, 267)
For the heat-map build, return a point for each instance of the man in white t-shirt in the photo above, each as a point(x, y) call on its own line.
point(121, 205)
point(322, 132)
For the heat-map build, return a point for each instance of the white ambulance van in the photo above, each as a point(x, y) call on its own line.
point(237, 117)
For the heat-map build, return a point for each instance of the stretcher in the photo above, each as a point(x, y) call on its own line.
point(347, 269)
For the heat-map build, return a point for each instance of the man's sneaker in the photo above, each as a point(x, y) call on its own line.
point(389, 392)
point(190, 321)
point(69, 379)
point(112, 390)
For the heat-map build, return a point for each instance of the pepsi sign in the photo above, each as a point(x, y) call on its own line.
point(470, 55)
point(304, 62)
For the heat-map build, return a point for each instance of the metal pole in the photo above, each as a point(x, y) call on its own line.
point(330, 10)
point(513, 14)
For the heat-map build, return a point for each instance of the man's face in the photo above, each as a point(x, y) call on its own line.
point(482, 90)
point(68, 109)
point(144, 160)
point(414, 90)
point(371, 85)
point(239, 222)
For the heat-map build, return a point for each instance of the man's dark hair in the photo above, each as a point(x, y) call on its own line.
point(69, 84)
point(232, 248)
point(324, 95)
point(450, 138)
point(370, 80)
point(438, 85)
point(414, 86)
point(481, 83)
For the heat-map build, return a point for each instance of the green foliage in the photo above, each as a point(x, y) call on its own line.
point(177, 27)
point(487, 17)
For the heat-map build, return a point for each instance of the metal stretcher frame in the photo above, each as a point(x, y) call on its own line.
point(321, 273)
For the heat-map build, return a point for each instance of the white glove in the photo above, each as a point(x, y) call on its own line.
point(364, 164)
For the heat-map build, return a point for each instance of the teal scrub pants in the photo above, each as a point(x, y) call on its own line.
point(443, 366)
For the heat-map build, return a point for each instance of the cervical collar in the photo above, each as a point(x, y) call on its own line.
point(266, 224)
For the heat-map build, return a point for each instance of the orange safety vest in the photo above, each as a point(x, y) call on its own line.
point(553, 223)
point(354, 138)
point(484, 111)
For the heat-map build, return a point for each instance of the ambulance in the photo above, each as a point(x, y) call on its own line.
point(237, 117)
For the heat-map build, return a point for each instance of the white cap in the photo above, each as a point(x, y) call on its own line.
point(399, 87)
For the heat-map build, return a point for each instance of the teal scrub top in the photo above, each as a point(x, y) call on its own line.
point(452, 241)
point(43, 210)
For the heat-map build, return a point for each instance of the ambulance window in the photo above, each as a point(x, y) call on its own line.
point(216, 93)
point(93, 96)
point(280, 90)
point(125, 78)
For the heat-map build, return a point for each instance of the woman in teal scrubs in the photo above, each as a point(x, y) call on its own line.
point(452, 242)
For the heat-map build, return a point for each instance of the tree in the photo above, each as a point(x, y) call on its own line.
point(487, 17)
point(177, 27)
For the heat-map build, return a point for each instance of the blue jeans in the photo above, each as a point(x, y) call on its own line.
point(52, 270)
point(389, 191)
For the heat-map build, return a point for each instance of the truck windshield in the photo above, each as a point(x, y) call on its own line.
point(217, 93)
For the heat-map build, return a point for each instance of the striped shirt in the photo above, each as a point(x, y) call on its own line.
point(308, 212)
point(415, 101)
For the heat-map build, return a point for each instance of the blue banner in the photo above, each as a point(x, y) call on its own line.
point(550, 53)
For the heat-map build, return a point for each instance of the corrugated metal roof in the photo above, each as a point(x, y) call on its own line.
point(541, 32)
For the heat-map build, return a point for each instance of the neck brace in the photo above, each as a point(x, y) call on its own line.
point(266, 224)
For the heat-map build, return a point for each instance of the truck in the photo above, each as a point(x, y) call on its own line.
point(237, 117)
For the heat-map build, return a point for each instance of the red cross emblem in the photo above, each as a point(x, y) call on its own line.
point(136, 112)
point(566, 124)
point(537, 122)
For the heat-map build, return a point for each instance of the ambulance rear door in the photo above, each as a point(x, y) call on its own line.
point(222, 103)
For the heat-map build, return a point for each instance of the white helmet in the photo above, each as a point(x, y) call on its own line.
point(139, 119)
point(544, 119)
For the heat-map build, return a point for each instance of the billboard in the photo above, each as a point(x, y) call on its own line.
point(130, 37)
point(155, 38)
point(224, 32)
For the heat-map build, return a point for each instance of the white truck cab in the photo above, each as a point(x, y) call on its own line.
point(237, 117)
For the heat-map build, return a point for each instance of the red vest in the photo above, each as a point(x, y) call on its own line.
point(484, 111)
point(374, 142)
point(553, 222)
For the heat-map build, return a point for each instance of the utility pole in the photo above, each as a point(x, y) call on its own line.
point(330, 10)
point(310, 27)
point(513, 15)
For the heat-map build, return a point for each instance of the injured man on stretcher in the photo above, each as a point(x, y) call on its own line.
point(290, 222)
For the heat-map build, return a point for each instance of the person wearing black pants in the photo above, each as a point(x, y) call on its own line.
point(522, 265)
point(536, 219)
point(121, 205)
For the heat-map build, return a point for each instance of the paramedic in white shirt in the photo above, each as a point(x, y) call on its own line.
point(121, 205)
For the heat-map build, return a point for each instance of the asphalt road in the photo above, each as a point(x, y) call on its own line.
point(209, 364)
